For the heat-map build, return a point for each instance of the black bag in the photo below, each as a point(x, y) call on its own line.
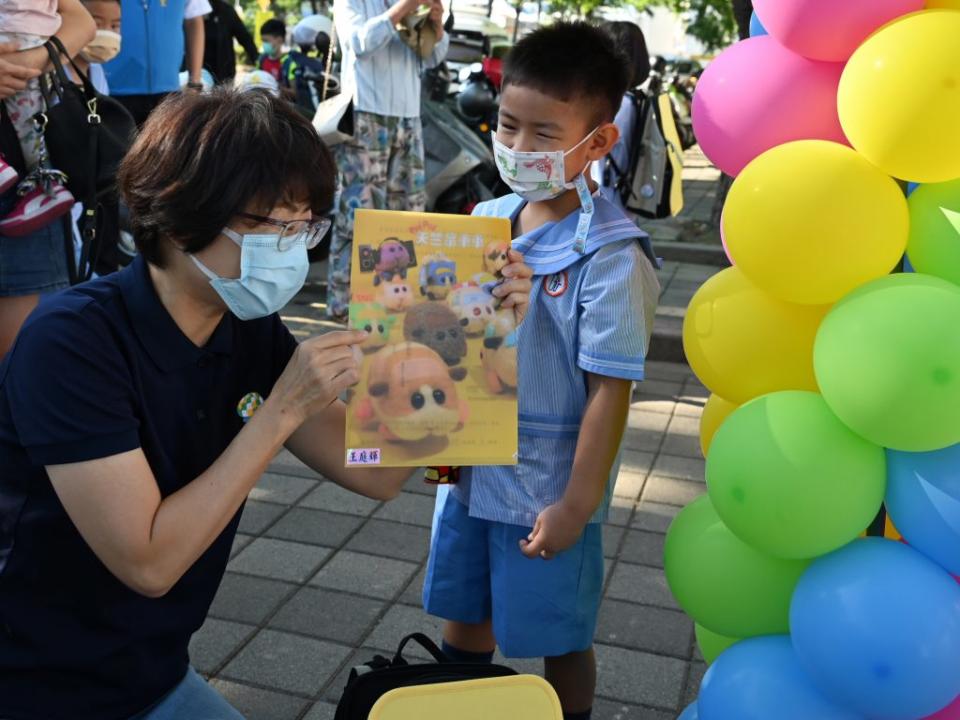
point(86, 133)
point(367, 683)
point(86, 136)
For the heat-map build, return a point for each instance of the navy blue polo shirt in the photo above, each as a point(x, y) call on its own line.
point(97, 370)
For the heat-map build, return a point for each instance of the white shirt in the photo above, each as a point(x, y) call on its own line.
point(196, 8)
point(383, 72)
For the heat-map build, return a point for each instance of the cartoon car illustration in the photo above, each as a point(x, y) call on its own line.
point(438, 275)
point(473, 306)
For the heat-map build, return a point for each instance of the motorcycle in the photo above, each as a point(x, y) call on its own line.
point(459, 164)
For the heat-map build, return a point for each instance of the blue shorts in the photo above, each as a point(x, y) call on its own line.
point(35, 263)
point(540, 608)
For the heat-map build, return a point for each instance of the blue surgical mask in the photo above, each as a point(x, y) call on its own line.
point(269, 277)
point(268, 48)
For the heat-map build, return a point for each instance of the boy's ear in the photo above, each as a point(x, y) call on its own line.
point(603, 141)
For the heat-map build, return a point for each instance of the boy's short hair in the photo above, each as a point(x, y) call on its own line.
point(202, 158)
point(570, 61)
point(274, 27)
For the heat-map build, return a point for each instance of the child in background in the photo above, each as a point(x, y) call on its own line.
point(516, 557)
point(41, 195)
point(273, 34)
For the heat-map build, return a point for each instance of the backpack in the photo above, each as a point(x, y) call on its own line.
point(651, 184)
point(368, 682)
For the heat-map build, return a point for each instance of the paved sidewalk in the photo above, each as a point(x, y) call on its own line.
point(321, 579)
point(692, 225)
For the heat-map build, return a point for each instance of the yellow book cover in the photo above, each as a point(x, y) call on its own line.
point(439, 374)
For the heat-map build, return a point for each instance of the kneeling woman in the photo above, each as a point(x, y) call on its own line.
point(129, 428)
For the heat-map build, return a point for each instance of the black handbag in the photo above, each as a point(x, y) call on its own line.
point(86, 133)
point(367, 683)
point(86, 136)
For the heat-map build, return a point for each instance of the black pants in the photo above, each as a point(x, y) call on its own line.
point(140, 106)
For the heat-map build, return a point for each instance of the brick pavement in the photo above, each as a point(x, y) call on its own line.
point(321, 579)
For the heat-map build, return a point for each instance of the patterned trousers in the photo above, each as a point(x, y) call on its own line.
point(381, 168)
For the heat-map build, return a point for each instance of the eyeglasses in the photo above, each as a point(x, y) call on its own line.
point(310, 231)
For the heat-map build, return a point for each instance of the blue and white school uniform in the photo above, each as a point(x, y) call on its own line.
point(590, 312)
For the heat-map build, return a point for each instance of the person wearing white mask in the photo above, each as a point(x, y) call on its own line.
point(138, 410)
point(105, 46)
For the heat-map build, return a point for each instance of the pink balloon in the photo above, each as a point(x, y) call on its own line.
point(757, 95)
point(950, 712)
point(828, 29)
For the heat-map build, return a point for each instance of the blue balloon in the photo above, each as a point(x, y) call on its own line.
point(876, 626)
point(911, 186)
point(691, 713)
point(907, 266)
point(923, 500)
point(760, 678)
point(756, 27)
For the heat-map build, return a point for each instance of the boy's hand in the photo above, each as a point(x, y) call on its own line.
point(514, 291)
point(558, 528)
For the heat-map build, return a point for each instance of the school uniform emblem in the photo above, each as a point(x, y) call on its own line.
point(557, 284)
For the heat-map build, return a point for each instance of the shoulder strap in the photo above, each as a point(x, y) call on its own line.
point(641, 105)
point(426, 643)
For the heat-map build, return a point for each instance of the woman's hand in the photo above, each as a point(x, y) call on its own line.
point(514, 291)
point(14, 73)
point(321, 368)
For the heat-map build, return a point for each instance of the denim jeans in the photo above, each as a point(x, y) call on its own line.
point(193, 698)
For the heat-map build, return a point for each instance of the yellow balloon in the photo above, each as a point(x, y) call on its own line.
point(899, 97)
point(811, 220)
point(714, 413)
point(945, 4)
point(742, 342)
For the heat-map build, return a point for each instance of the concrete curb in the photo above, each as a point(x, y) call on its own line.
point(667, 346)
point(695, 253)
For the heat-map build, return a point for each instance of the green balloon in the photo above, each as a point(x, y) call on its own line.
point(934, 244)
point(711, 644)
point(723, 583)
point(887, 360)
point(787, 477)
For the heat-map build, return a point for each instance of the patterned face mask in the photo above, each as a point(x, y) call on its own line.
point(535, 176)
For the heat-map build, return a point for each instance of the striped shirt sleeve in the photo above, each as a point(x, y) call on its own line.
point(616, 314)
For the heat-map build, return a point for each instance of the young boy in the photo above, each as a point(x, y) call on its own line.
point(516, 557)
point(273, 34)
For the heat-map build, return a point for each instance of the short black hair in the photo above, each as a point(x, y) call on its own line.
point(630, 41)
point(274, 27)
point(570, 61)
point(202, 158)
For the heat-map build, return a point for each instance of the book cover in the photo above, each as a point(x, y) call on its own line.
point(439, 374)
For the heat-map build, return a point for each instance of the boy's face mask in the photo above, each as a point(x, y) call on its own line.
point(535, 176)
point(269, 50)
point(104, 47)
point(539, 176)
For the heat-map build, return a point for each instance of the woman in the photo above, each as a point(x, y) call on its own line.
point(131, 423)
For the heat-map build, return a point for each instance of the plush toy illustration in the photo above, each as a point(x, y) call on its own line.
point(412, 394)
point(473, 306)
point(438, 275)
point(395, 295)
point(391, 259)
point(373, 318)
point(495, 258)
point(441, 475)
point(499, 354)
point(436, 326)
